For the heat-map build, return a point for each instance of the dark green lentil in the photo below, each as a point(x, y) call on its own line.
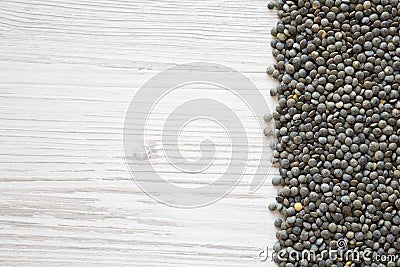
point(337, 127)
point(271, 5)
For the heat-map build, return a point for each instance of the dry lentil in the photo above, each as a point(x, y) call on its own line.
point(337, 126)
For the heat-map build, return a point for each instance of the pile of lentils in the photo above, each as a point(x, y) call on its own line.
point(337, 129)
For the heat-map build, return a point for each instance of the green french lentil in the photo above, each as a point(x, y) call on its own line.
point(338, 125)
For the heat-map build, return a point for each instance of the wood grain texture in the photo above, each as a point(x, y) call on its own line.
point(68, 71)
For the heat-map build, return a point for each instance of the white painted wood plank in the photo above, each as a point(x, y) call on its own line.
point(67, 73)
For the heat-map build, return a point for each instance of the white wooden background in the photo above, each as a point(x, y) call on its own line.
point(68, 70)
